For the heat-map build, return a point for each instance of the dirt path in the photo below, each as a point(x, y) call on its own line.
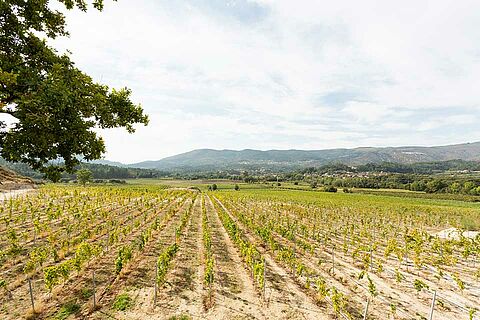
point(234, 294)
point(14, 193)
point(184, 289)
point(284, 299)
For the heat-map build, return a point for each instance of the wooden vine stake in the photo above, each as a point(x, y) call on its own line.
point(31, 295)
point(430, 317)
point(108, 239)
point(155, 286)
point(371, 257)
point(94, 291)
point(264, 279)
point(333, 262)
point(365, 312)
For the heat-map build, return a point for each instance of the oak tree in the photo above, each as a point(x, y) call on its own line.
point(54, 105)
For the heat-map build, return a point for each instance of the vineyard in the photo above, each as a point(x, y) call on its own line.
point(148, 252)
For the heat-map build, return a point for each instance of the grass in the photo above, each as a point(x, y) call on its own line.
point(351, 199)
point(122, 302)
point(202, 184)
point(180, 317)
point(468, 223)
point(86, 293)
point(453, 213)
point(66, 310)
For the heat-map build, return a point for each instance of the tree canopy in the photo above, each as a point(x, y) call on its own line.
point(55, 105)
point(84, 176)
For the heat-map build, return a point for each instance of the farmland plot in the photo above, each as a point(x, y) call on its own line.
point(151, 253)
point(386, 256)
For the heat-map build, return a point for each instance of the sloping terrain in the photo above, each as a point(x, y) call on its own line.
point(209, 159)
point(9, 180)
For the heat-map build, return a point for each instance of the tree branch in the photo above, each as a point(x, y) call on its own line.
point(12, 113)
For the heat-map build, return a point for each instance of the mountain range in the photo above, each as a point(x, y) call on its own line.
point(248, 159)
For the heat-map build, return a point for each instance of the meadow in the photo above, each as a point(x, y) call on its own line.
point(166, 249)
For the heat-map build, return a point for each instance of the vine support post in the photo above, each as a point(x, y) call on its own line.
point(430, 317)
point(94, 291)
point(155, 286)
point(253, 271)
point(333, 262)
point(441, 251)
point(108, 239)
point(365, 311)
point(264, 279)
point(31, 295)
point(371, 257)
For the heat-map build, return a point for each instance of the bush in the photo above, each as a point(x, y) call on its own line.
point(313, 185)
point(295, 183)
point(66, 310)
point(236, 187)
point(122, 302)
point(86, 293)
point(330, 189)
point(180, 317)
point(117, 181)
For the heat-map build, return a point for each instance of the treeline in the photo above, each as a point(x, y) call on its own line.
point(427, 184)
point(103, 171)
point(390, 167)
point(99, 171)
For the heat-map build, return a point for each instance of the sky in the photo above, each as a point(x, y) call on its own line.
point(265, 74)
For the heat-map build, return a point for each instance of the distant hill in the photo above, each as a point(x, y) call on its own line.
point(108, 163)
point(209, 159)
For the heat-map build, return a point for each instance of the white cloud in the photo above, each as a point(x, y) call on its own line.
point(215, 77)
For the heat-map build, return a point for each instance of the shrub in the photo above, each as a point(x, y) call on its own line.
point(122, 302)
point(117, 181)
point(180, 317)
point(86, 293)
point(66, 310)
point(330, 189)
point(419, 285)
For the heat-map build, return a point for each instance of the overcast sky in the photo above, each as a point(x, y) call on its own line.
point(285, 74)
